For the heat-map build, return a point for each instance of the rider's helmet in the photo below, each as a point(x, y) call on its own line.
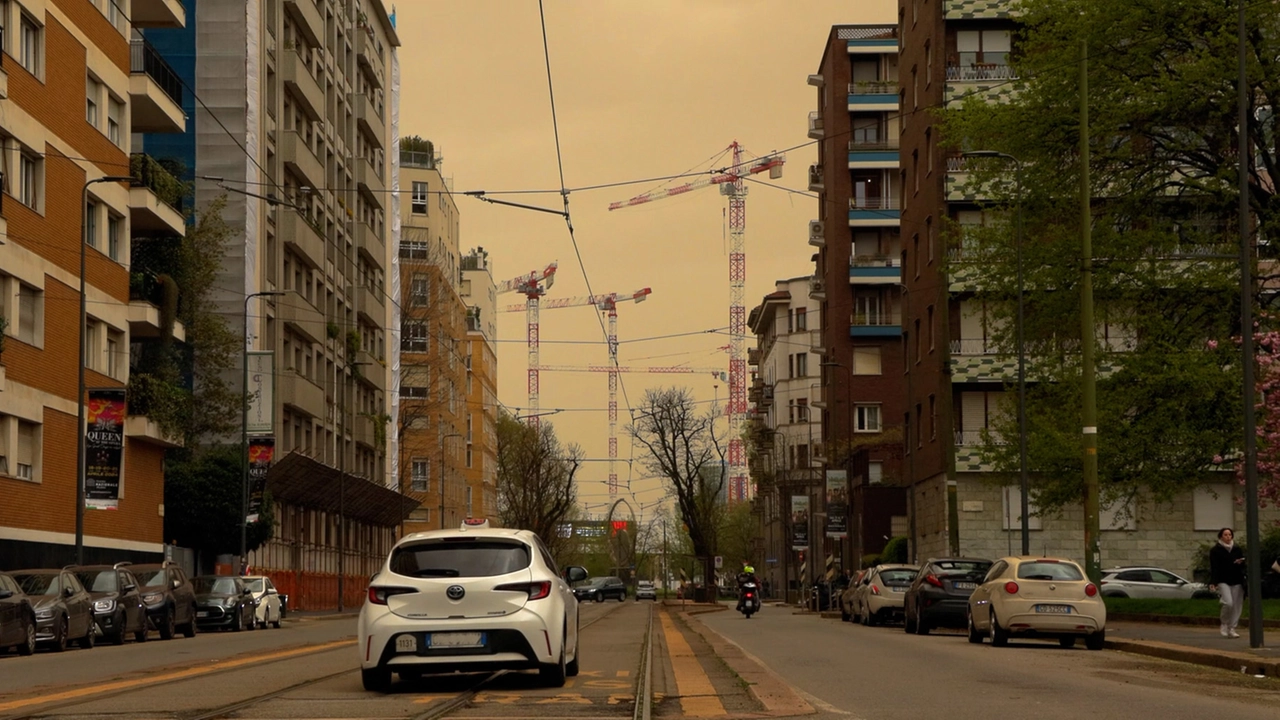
point(748, 569)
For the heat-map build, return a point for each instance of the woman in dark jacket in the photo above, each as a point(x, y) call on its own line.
point(1226, 575)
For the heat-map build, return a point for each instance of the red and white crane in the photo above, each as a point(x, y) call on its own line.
point(608, 304)
point(533, 285)
point(732, 185)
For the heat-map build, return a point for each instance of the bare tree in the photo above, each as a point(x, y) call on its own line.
point(536, 489)
point(685, 451)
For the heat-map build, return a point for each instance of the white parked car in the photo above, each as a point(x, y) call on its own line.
point(878, 596)
point(472, 599)
point(1037, 597)
point(267, 598)
point(1148, 582)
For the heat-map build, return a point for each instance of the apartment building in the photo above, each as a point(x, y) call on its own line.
point(481, 460)
point(433, 402)
point(74, 85)
point(858, 276)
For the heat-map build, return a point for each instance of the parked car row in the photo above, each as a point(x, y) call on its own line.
point(85, 603)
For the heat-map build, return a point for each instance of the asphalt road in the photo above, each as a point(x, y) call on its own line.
point(881, 673)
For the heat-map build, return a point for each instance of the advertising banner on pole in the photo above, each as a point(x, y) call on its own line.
point(103, 448)
point(837, 504)
point(799, 522)
point(261, 392)
point(261, 452)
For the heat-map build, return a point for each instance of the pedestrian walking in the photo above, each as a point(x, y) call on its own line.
point(1226, 575)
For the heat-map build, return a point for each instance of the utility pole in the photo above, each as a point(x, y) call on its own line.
point(1089, 411)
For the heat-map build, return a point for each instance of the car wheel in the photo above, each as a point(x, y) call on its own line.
point(376, 679)
point(554, 674)
point(1067, 642)
point(60, 637)
point(29, 647)
point(118, 637)
point(871, 618)
point(239, 624)
point(844, 613)
point(190, 630)
point(571, 669)
point(922, 628)
point(87, 642)
point(1095, 641)
point(167, 627)
point(599, 597)
point(999, 636)
point(140, 636)
point(276, 623)
point(1118, 594)
point(908, 621)
point(975, 637)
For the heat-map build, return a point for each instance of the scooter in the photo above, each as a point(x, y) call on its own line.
point(748, 599)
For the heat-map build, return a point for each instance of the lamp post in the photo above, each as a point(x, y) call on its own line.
point(244, 431)
point(442, 474)
point(848, 458)
point(84, 241)
point(1022, 360)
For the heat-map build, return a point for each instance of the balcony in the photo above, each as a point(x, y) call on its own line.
point(875, 270)
point(815, 178)
point(873, 96)
point(4, 80)
point(419, 160)
point(144, 429)
point(370, 118)
point(870, 40)
point(815, 125)
point(300, 394)
point(370, 244)
point(873, 153)
point(815, 342)
point(157, 14)
point(299, 315)
point(369, 304)
point(298, 234)
point(146, 295)
point(307, 20)
point(878, 324)
point(369, 181)
point(302, 85)
point(981, 72)
point(155, 91)
point(874, 212)
point(299, 158)
point(367, 55)
point(362, 431)
point(155, 198)
point(373, 371)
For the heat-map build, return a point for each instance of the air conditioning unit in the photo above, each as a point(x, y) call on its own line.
point(817, 233)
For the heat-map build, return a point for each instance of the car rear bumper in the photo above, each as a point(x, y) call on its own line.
point(1032, 623)
point(885, 604)
point(950, 612)
point(519, 641)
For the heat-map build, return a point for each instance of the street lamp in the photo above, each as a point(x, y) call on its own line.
point(84, 241)
point(1022, 371)
point(442, 474)
point(244, 431)
point(848, 455)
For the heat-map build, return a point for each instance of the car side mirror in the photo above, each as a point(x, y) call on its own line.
point(246, 591)
point(6, 594)
point(574, 573)
point(130, 588)
point(177, 584)
point(273, 591)
point(68, 591)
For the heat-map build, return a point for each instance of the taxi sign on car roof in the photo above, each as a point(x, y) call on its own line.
point(475, 523)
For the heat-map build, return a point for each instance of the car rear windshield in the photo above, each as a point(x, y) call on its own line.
point(50, 584)
point(98, 580)
point(897, 577)
point(214, 585)
point(468, 558)
point(956, 568)
point(1049, 571)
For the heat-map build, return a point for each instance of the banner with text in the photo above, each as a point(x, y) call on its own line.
point(103, 448)
point(261, 377)
point(261, 451)
point(799, 522)
point(837, 504)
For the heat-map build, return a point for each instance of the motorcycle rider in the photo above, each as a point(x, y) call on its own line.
point(748, 575)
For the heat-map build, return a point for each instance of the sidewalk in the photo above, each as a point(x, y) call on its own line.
point(1197, 644)
point(347, 614)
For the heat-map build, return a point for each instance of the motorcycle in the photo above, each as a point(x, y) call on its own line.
point(748, 599)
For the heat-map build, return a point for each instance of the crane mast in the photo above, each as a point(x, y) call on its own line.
point(533, 286)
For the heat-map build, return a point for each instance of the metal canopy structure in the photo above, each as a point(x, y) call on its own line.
point(302, 481)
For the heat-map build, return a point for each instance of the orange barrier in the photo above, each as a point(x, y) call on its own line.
point(317, 591)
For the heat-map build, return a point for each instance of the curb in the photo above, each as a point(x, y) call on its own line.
point(766, 686)
point(1180, 619)
point(1234, 661)
point(327, 616)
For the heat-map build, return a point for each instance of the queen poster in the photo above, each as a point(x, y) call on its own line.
point(103, 447)
point(261, 452)
point(799, 522)
point(837, 504)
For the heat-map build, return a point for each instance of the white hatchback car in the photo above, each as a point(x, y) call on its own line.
point(472, 599)
point(1037, 597)
point(267, 598)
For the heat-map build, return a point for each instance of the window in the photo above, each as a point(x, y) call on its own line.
point(802, 410)
point(866, 360)
point(92, 91)
point(802, 365)
point(420, 195)
point(420, 475)
point(114, 227)
point(115, 111)
point(866, 418)
point(928, 64)
point(416, 337)
point(28, 314)
point(1116, 515)
point(1214, 507)
point(875, 472)
point(419, 289)
point(929, 319)
point(29, 175)
point(791, 324)
point(469, 506)
point(91, 224)
point(468, 460)
point(983, 47)
point(113, 355)
point(30, 50)
point(929, 238)
point(28, 450)
point(933, 417)
point(802, 322)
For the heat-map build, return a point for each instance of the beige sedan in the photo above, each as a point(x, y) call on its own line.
point(1036, 597)
point(878, 598)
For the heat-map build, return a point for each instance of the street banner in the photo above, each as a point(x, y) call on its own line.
point(837, 504)
point(261, 391)
point(261, 452)
point(799, 522)
point(103, 448)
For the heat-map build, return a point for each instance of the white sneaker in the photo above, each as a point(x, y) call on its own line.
point(1233, 634)
point(1225, 632)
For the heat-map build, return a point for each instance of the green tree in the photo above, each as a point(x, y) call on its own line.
point(536, 489)
point(202, 503)
point(1162, 123)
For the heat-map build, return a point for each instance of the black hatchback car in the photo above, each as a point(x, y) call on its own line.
point(601, 588)
point(117, 601)
point(939, 595)
point(224, 601)
point(169, 597)
point(17, 618)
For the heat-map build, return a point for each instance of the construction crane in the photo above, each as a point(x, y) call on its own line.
point(533, 286)
point(608, 304)
point(732, 185)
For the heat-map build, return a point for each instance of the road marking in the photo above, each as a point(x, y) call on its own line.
point(156, 679)
point(698, 696)
point(624, 673)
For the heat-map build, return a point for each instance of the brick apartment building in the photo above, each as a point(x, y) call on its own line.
point(480, 462)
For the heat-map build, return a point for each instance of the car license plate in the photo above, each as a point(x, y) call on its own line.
point(1054, 609)
point(455, 640)
point(406, 643)
point(202, 613)
point(965, 586)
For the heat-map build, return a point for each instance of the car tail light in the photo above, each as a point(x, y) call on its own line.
point(379, 595)
point(1091, 590)
point(933, 580)
point(1102, 582)
point(536, 590)
point(1011, 587)
point(875, 590)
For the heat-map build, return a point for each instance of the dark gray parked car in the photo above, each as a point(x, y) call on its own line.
point(64, 610)
point(17, 618)
point(169, 597)
point(601, 588)
point(939, 595)
point(117, 601)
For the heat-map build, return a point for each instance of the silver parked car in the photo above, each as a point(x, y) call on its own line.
point(1148, 582)
point(646, 591)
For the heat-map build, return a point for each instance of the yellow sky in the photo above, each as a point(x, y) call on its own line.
point(642, 90)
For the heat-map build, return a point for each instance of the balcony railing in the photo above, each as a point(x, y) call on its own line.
point(869, 144)
point(874, 87)
point(873, 203)
point(875, 260)
point(973, 346)
point(418, 159)
point(957, 165)
point(151, 174)
point(972, 438)
point(815, 174)
point(876, 319)
point(875, 32)
point(980, 71)
point(143, 58)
